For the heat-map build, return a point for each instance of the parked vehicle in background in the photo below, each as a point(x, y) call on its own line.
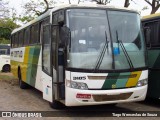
point(82, 55)
point(5, 57)
point(151, 24)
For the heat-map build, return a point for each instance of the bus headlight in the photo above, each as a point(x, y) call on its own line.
point(77, 85)
point(142, 82)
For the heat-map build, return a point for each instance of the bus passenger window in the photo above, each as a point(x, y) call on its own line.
point(36, 30)
point(21, 38)
point(26, 36)
point(16, 40)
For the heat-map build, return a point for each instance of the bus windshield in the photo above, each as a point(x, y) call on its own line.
point(92, 30)
point(128, 28)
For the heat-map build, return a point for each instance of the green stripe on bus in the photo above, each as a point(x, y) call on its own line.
point(154, 59)
point(110, 82)
point(33, 64)
point(121, 82)
point(157, 62)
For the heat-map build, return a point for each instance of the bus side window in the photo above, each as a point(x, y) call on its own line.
point(36, 30)
point(58, 16)
point(16, 40)
point(31, 41)
point(26, 36)
point(21, 39)
point(42, 23)
point(14, 36)
point(46, 47)
point(34, 34)
point(55, 18)
point(154, 27)
point(12, 40)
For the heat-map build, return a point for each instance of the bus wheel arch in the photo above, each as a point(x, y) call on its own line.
point(22, 84)
point(6, 68)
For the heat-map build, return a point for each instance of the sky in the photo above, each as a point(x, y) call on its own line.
point(137, 5)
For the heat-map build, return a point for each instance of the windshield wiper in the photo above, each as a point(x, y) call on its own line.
point(124, 50)
point(102, 53)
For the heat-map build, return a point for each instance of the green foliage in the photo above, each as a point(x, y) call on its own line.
point(25, 19)
point(4, 41)
point(37, 8)
point(8, 23)
point(155, 5)
point(145, 8)
point(6, 27)
point(5, 33)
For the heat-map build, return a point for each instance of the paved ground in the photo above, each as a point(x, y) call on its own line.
point(12, 98)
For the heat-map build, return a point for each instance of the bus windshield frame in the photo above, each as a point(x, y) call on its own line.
point(92, 29)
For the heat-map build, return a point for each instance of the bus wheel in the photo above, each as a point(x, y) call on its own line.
point(6, 68)
point(57, 105)
point(22, 84)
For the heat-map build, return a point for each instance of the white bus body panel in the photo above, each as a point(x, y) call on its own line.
point(4, 59)
point(47, 87)
point(39, 78)
point(71, 99)
point(138, 93)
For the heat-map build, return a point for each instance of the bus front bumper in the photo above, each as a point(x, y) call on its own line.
point(77, 97)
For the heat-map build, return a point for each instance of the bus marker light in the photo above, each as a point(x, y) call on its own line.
point(85, 96)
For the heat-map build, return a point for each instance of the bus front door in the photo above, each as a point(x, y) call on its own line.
point(50, 63)
point(47, 64)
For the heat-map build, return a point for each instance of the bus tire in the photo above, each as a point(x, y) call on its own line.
point(57, 105)
point(22, 84)
point(6, 68)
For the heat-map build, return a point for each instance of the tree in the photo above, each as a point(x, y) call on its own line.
point(103, 2)
point(4, 11)
point(7, 23)
point(78, 1)
point(38, 8)
point(126, 3)
point(6, 27)
point(155, 4)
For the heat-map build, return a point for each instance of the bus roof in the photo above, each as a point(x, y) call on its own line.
point(90, 6)
point(150, 17)
point(49, 12)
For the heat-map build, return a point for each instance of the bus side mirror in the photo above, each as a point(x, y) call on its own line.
point(64, 36)
point(147, 35)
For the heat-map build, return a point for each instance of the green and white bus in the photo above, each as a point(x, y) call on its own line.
point(82, 55)
point(152, 25)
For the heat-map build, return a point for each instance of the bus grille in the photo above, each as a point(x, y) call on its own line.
point(123, 96)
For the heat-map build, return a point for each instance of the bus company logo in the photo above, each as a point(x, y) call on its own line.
point(113, 86)
point(79, 78)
